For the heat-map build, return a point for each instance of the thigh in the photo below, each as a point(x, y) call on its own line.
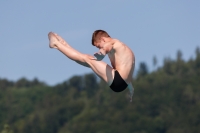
point(103, 70)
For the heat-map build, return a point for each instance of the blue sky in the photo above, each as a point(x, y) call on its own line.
point(149, 28)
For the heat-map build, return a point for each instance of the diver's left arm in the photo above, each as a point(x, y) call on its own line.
point(100, 55)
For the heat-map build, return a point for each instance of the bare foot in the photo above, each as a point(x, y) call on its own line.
point(61, 40)
point(53, 41)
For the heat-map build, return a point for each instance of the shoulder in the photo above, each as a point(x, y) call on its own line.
point(118, 43)
point(115, 40)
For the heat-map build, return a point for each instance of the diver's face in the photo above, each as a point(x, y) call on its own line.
point(99, 44)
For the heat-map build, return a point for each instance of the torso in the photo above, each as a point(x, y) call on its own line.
point(123, 60)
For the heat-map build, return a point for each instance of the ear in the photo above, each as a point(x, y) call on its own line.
point(104, 38)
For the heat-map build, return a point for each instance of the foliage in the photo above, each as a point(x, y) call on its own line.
point(166, 100)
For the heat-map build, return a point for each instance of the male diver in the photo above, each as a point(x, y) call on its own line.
point(119, 76)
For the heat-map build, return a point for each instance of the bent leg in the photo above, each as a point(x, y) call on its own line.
point(103, 70)
point(83, 64)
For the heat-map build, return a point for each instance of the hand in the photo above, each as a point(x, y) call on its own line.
point(99, 56)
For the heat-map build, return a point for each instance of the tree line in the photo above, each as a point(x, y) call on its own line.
point(166, 100)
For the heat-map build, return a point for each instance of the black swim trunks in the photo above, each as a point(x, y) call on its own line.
point(118, 83)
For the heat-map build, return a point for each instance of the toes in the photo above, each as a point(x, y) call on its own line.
point(60, 39)
point(50, 35)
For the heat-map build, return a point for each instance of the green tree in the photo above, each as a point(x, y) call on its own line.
point(4, 84)
point(155, 61)
point(179, 55)
point(23, 82)
point(165, 101)
point(197, 62)
point(76, 82)
point(167, 67)
point(7, 129)
point(90, 84)
point(143, 69)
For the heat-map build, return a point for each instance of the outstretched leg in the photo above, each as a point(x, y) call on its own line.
point(103, 70)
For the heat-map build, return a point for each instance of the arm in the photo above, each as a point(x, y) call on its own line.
point(105, 50)
point(100, 55)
